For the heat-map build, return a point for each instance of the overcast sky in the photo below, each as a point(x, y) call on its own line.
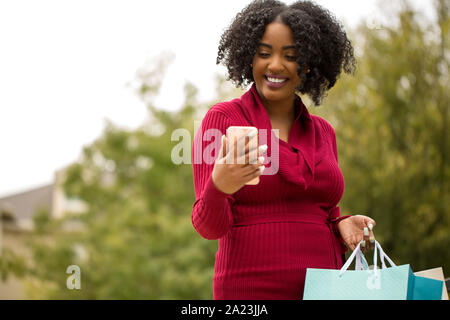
point(64, 66)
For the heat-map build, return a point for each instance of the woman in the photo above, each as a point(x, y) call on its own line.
point(271, 232)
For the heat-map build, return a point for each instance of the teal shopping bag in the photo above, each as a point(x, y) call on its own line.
point(393, 283)
point(424, 289)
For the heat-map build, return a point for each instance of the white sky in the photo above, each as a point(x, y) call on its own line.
point(64, 66)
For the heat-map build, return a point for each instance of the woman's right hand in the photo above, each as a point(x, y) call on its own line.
point(232, 170)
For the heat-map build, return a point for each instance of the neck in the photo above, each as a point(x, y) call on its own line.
point(280, 110)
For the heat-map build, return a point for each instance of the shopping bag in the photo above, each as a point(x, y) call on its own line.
point(393, 283)
point(437, 274)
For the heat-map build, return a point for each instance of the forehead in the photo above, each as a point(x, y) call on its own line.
point(278, 34)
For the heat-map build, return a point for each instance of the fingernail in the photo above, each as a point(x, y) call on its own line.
point(370, 226)
point(261, 169)
point(252, 133)
point(262, 148)
point(261, 159)
point(372, 240)
point(366, 232)
point(363, 243)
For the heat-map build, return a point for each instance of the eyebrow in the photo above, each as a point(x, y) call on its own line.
point(269, 46)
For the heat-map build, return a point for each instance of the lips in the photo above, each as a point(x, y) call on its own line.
point(275, 81)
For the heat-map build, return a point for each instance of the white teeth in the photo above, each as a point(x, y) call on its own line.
point(276, 80)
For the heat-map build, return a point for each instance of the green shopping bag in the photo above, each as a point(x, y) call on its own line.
point(393, 283)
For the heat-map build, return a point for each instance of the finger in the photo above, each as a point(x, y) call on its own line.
point(255, 154)
point(370, 221)
point(247, 141)
point(245, 152)
point(366, 237)
point(223, 150)
point(250, 150)
point(253, 132)
point(351, 246)
point(240, 144)
point(363, 246)
point(241, 157)
point(252, 157)
point(231, 157)
point(249, 169)
point(370, 225)
point(254, 174)
point(350, 242)
point(252, 165)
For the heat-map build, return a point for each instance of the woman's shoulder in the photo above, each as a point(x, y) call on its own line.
point(228, 109)
point(323, 124)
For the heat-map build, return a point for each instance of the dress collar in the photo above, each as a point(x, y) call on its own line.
point(297, 156)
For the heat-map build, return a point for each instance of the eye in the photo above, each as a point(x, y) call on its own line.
point(291, 58)
point(263, 54)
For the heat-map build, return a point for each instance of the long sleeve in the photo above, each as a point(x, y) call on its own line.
point(336, 216)
point(211, 213)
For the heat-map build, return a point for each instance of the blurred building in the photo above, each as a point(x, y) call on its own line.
point(17, 212)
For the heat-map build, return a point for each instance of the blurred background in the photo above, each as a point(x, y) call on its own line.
point(91, 91)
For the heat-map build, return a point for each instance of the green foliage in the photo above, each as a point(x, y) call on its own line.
point(391, 122)
point(137, 240)
point(10, 263)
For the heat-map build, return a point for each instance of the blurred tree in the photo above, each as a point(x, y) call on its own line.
point(391, 122)
point(137, 240)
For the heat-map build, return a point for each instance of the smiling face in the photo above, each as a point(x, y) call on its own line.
point(274, 64)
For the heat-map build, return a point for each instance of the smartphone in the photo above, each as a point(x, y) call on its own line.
point(237, 132)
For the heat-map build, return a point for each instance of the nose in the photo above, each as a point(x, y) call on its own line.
point(275, 65)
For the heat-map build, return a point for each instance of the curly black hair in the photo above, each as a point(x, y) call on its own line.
point(321, 44)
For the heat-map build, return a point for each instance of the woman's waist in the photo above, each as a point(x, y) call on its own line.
point(305, 214)
point(275, 247)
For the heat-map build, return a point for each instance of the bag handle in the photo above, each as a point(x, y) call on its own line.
point(361, 262)
point(350, 259)
point(383, 256)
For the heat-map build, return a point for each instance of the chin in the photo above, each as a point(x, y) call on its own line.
point(274, 95)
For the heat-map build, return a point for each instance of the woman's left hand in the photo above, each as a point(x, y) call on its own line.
point(356, 229)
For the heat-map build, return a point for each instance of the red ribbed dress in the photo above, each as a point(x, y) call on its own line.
point(271, 232)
